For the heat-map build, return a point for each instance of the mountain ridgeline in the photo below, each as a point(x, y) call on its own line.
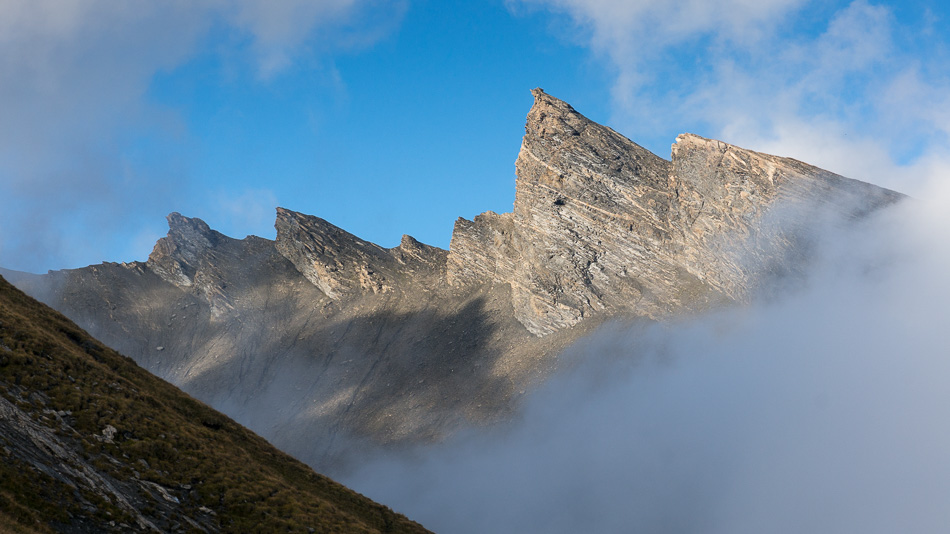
point(329, 345)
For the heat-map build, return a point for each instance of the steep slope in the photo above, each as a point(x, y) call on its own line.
point(326, 344)
point(600, 224)
point(90, 442)
point(234, 323)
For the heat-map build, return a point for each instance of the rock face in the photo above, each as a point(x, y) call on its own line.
point(600, 224)
point(323, 342)
point(344, 266)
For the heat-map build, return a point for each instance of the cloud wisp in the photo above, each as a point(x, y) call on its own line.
point(851, 87)
point(820, 411)
point(83, 147)
point(637, 37)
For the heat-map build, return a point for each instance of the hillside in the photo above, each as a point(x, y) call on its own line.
point(330, 346)
point(91, 442)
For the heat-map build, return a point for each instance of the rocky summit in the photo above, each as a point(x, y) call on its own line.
point(600, 224)
point(329, 345)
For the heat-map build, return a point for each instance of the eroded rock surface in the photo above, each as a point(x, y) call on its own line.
point(600, 224)
point(344, 266)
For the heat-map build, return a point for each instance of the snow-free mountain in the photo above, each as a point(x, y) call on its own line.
point(330, 346)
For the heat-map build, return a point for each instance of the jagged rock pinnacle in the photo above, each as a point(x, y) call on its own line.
point(588, 203)
point(602, 225)
point(176, 257)
point(333, 259)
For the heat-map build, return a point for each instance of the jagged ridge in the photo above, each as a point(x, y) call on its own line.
point(319, 338)
point(601, 224)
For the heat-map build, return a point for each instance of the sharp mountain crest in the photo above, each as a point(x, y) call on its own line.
point(329, 345)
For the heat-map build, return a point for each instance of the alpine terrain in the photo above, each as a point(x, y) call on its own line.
point(91, 442)
point(329, 346)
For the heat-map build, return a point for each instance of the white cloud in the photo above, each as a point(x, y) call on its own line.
point(856, 38)
point(818, 412)
point(74, 82)
point(845, 93)
point(628, 25)
point(281, 27)
point(634, 36)
point(246, 212)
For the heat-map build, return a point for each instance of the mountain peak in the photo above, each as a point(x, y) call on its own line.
point(552, 119)
point(542, 99)
point(603, 225)
point(176, 256)
point(406, 343)
point(191, 234)
point(336, 261)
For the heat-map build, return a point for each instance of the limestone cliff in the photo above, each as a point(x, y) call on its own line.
point(328, 344)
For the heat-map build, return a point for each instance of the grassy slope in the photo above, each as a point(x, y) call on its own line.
point(48, 363)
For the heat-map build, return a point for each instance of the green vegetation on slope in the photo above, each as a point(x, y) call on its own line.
point(178, 464)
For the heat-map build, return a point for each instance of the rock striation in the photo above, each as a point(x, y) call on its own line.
point(344, 266)
point(600, 224)
point(325, 343)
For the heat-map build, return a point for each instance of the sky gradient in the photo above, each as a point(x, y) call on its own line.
point(398, 117)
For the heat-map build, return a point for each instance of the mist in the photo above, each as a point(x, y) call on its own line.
point(821, 409)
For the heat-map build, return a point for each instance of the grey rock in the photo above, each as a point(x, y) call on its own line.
point(601, 225)
point(344, 266)
point(44, 450)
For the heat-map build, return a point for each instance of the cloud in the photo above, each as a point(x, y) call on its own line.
point(280, 29)
point(247, 211)
point(851, 88)
point(622, 28)
point(849, 100)
point(818, 412)
point(636, 37)
point(75, 109)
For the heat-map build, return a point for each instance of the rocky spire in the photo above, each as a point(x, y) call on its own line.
point(332, 259)
point(602, 225)
point(177, 256)
point(591, 207)
point(192, 257)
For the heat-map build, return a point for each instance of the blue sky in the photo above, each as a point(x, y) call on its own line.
point(398, 117)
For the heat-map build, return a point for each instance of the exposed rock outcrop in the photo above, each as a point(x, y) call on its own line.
point(600, 224)
point(591, 215)
point(344, 266)
point(320, 340)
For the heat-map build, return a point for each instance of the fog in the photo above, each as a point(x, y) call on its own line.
point(822, 409)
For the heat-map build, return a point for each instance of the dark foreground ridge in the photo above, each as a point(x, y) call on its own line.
point(91, 442)
point(331, 346)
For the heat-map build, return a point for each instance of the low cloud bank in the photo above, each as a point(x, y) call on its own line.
point(823, 410)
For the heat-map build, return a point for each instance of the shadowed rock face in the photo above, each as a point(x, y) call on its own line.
point(90, 442)
point(325, 343)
